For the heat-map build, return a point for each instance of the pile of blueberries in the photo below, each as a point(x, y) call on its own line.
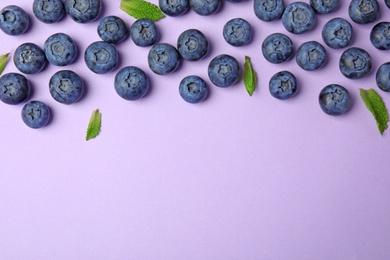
point(131, 83)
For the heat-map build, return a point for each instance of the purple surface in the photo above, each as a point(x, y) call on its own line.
point(235, 177)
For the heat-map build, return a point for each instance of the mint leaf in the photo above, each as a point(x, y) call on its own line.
point(3, 62)
point(94, 124)
point(375, 104)
point(141, 9)
point(250, 77)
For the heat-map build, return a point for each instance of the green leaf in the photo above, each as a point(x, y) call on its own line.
point(3, 62)
point(141, 9)
point(375, 104)
point(94, 124)
point(250, 77)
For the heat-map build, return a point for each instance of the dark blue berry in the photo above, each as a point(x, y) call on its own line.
point(144, 32)
point(174, 7)
point(48, 11)
point(101, 57)
point(35, 114)
point(205, 7)
point(29, 58)
point(337, 33)
point(311, 55)
point(14, 88)
point(163, 58)
point(192, 45)
point(283, 85)
point(224, 71)
point(112, 29)
point(363, 11)
point(14, 20)
point(237, 32)
point(298, 17)
point(268, 10)
point(60, 49)
point(193, 89)
point(355, 63)
point(277, 48)
point(66, 87)
point(131, 83)
point(383, 77)
point(380, 36)
point(334, 100)
point(324, 6)
point(83, 11)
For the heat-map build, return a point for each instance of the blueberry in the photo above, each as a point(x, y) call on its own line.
point(237, 32)
point(283, 85)
point(268, 10)
point(144, 32)
point(380, 36)
point(29, 58)
point(66, 87)
point(192, 45)
point(324, 6)
point(48, 11)
point(334, 100)
point(277, 48)
point(83, 11)
point(205, 7)
point(14, 88)
point(101, 57)
point(131, 83)
point(235, 1)
point(174, 7)
point(298, 17)
point(337, 33)
point(163, 58)
point(13, 20)
point(363, 11)
point(35, 114)
point(224, 70)
point(355, 63)
point(311, 55)
point(112, 29)
point(383, 77)
point(60, 49)
point(193, 89)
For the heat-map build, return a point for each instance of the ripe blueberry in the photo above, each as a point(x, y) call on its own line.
point(174, 7)
point(224, 71)
point(298, 17)
point(268, 10)
point(66, 87)
point(355, 63)
point(380, 36)
point(283, 85)
point(131, 83)
point(48, 11)
point(311, 55)
point(14, 88)
point(192, 45)
point(237, 32)
point(205, 7)
point(163, 58)
point(144, 32)
point(101, 57)
point(337, 33)
point(29, 58)
point(112, 29)
point(83, 11)
point(13, 20)
point(35, 114)
point(193, 89)
point(60, 49)
point(277, 48)
point(324, 6)
point(334, 100)
point(383, 77)
point(363, 11)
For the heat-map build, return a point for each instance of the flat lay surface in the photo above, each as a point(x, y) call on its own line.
point(234, 177)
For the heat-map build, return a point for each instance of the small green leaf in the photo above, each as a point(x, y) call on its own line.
point(3, 62)
point(141, 9)
point(375, 104)
point(94, 124)
point(250, 77)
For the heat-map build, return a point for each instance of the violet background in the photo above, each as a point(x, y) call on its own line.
point(235, 177)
